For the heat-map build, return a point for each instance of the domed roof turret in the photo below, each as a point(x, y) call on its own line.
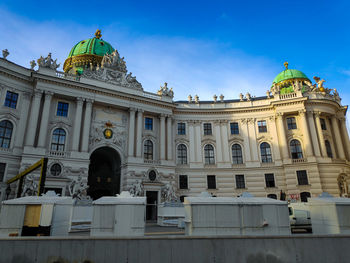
point(88, 51)
point(288, 75)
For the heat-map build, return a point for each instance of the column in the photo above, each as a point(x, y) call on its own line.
point(245, 134)
point(198, 137)
point(338, 140)
point(192, 141)
point(345, 135)
point(252, 140)
point(311, 121)
point(33, 119)
point(77, 124)
point(162, 137)
point(131, 137)
point(320, 134)
point(282, 136)
point(169, 138)
point(332, 141)
point(87, 123)
point(273, 131)
point(306, 134)
point(45, 119)
point(139, 133)
point(224, 139)
point(218, 142)
point(21, 129)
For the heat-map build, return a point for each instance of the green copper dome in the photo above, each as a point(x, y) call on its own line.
point(289, 74)
point(88, 51)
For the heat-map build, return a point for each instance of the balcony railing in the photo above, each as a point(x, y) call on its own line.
point(301, 160)
point(288, 96)
point(58, 154)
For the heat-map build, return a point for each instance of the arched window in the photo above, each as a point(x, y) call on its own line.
point(304, 196)
point(237, 154)
point(209, 154)
point(6, 129)
point(181, 154)
point(273, 196)
point(295, 149)
point(148, 150)
point(265, 151)
point(58, 140)
point(329, 149)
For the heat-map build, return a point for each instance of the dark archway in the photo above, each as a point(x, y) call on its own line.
point(104, 173)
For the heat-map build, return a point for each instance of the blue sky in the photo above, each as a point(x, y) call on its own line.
point(198, 47)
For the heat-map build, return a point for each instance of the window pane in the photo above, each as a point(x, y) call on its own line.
point(291, 123)
point(182, 154)
point(181, 128)
point(262, 126)
point(269, 180)
point(6, 129)
point(237, 154)
point(148, 123)
point(234, 128)
point(265, 152)
point(207, 129)
point(211, 182)
point(295, 148)
point(62, 109)
point(302, 177)
point(329, 149)
point(11, 99)
point(183, 182)
point(240, 183)
point(209, 154)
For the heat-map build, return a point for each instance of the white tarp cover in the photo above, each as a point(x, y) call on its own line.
point(11, 219)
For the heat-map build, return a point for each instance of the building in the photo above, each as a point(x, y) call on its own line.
point(98, 126)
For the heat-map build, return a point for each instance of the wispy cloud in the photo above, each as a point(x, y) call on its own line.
point(190, 66)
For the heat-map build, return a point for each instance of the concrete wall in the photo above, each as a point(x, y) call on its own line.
point(176, 249)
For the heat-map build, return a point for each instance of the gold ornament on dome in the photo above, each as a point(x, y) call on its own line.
point(286, 64)
point(98, 34)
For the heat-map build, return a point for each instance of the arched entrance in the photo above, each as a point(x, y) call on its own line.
point(104, 173)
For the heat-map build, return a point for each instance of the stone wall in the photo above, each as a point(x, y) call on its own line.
point(176, 249)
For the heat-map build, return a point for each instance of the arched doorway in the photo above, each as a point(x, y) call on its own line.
point(104, 173)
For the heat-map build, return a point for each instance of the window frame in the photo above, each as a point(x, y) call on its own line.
point(181, 159)
point(148, 150)
point(61, 111)
point(234, 128)
point(210, 158)
point(262, 128)
point(148, 124)
point(291, 123)
point(55, 174)
point(265, 158)
point(2, 173)
point(267, 183)
point(296, 150)
point(323, 124)
point(182, 183)
point(207, 129)
point(12, 100)
point(237, 158)
point(6, 136)
point(213, 181)
point(240, 184)
point(181, 128)
point(328, 148)
point(302, 180)
point(56, 144)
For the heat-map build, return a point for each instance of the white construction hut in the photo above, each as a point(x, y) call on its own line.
point(330, 215)
point(218, 216)
point(28, 216)
point(123, 215)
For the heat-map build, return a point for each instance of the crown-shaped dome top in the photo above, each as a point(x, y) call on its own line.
point(289, 74)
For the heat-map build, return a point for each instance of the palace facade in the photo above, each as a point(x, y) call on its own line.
point(96, 125)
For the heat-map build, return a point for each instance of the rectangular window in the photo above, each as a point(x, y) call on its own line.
point(323, 124)
point(302, 177)
point(183, 182)
point(262, 126)
point(211, 182)
point(207, 129)
point(148, 124)
point(269, 180)
point(291, 123)
point(11, 99)
point(181, 128)
point(62, 109)
point(234, 128)
point(2, 171)
point(240, 183)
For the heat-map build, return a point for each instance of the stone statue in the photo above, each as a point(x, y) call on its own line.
point(222, 98)
point(241, 97)
point(319, 83)
point(248, 96)
point(136, 189)
point(78, 189)
point(165, 91)
point(30, 186)
point(336, 94)
point(196, 99)
point(48, 62)
point(189, 98)
point(268, 94)
point(5, 53)
point(215, 98)
point(169, 192)
point(32, 64)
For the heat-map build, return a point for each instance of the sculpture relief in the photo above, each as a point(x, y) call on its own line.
point(165, 91)
point(168, 192)
point(48, 62)
point(30, 186)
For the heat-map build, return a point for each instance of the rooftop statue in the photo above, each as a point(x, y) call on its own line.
point(5, 53)
point(48, 62)
point(319, 83)
point(165, 91)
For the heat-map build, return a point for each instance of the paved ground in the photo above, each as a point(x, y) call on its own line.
point(152, 229)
